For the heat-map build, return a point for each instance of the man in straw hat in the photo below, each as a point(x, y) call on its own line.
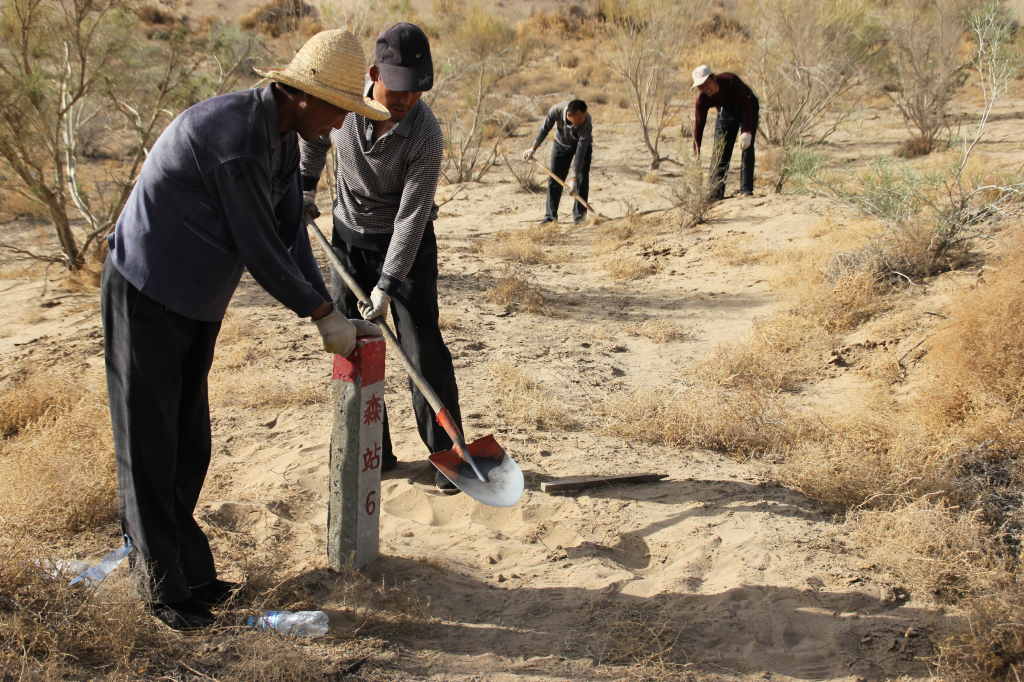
point(386, 174)
point(737, 113)
point(219, 192)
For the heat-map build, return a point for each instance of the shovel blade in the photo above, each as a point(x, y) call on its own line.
point(503, 484)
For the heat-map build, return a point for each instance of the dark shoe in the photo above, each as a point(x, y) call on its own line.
point(182, 615)
point(389, 463)
point(579, 219)
point(444, 485)
point(744, 194)
point(215, 592)
point(547, 220)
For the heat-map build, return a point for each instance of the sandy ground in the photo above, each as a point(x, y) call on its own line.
point(715, 572)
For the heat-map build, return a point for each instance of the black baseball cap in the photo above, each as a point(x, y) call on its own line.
point(402, 55)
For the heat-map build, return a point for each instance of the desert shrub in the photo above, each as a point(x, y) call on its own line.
point(923, 66)
point(625, 268)
point(807, 61)
point(978, 360)
point(90, 64)
point(781, 354)
point(475, 116)
point(798, 165)
point(690, 192)
point(515, 292)
point(524, 174)
point(639, 37)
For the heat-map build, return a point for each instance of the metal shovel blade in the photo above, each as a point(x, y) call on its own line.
point(503, 484)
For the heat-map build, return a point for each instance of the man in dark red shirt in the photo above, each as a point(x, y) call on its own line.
point(737, 113)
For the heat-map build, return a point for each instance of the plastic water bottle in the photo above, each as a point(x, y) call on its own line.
point(299, 623)
point(94, 575)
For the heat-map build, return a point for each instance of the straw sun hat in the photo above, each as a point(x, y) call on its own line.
point(330, 66)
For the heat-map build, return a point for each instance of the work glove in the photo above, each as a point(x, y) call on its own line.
point(379, 302)
point(366, 328)
point(528, 154)
point(309, 204)
point(338, 333)
point(746, 139)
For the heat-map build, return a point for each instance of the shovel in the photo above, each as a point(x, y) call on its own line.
point(481, 469)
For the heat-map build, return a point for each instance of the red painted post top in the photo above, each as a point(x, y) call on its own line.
point(366, 362)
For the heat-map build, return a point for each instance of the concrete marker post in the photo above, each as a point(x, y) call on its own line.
point(353, 512)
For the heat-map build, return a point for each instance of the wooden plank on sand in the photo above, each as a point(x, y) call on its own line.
point(572, 484)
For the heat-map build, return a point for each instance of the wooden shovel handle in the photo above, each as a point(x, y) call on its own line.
point(561, 182)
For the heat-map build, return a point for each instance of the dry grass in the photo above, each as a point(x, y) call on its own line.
point(660, 331)
point(742, 422)
point(58, 465)
point(626, 268)
point(736, 250)
point(782, 354)
point(977, 361)
point(515, 292)
point(937, 476)
point(52, 631)
point(531, 246)
point(524, 400)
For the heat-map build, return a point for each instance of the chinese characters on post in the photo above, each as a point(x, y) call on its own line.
point(353, 513)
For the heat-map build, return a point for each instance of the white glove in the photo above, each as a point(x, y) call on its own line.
point(309, 203)
point(338, 333)
point(528, 154)
point(746, 139)
point(366, 328)
point(379, 308)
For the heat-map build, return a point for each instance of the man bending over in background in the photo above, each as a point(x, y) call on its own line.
point(573, 133)
point(737, 113)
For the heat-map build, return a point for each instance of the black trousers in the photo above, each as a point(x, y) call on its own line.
point(157, 362)
point(727, 127)
point(561, 162)
point(414, 313)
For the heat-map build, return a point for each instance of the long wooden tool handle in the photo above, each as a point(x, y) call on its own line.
point(351, 283)
point(444, 417)
point(561, 182)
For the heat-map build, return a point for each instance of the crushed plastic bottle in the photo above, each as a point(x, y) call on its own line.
point(299, 623)
point(82, 572)
point(94, 575)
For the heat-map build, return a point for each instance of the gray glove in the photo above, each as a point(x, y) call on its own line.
point(338, 333)
point(746, 139)
point(380, 302)
point(309, 207)
point(528, 154)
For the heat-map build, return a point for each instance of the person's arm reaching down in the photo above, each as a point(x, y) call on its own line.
point(545, 127)
point(700, 117)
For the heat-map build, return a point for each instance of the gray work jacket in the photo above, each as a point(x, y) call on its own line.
point(219, 192)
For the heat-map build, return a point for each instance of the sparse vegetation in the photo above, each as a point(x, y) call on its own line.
point(515, 292)
point(807, 61)
point(639, 42)
point(923, 66)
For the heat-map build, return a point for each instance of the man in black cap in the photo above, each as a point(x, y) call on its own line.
point(387, 173)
